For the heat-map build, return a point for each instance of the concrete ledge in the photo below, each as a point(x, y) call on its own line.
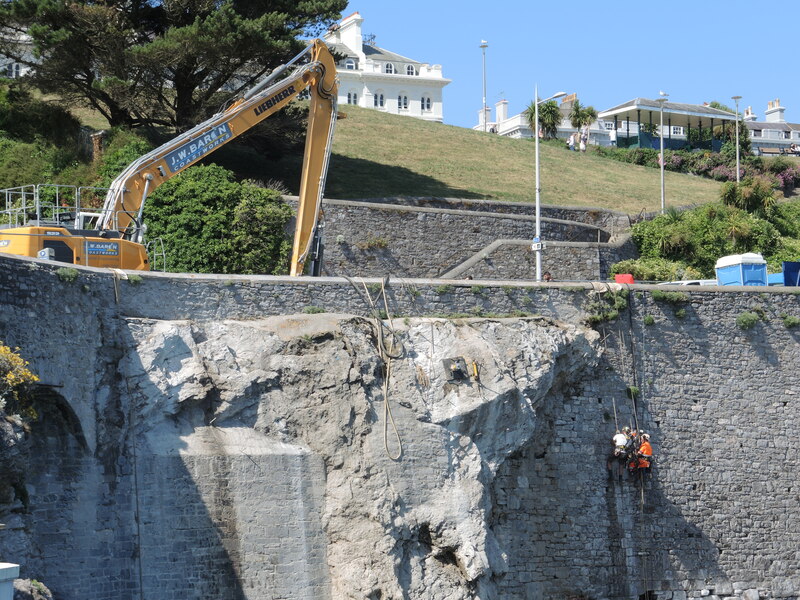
point(8, 573)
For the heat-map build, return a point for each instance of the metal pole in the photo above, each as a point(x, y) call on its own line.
point(538, 189)
point(661, 139)
point(484, 45)
point(661, 101)
point(537, 240)
point(736, 99)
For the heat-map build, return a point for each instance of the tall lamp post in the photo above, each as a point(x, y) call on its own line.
point(483, 46)
point(736, 99)
point(661, 101)
point(537, 240)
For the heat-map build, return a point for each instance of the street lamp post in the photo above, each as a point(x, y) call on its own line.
point(537, 240)
point(661, 101)
point(483, 46)
point(736, 99)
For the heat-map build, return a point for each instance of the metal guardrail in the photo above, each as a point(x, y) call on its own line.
point(75, 207)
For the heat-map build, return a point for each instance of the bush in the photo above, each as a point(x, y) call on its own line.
point(211, 224)
point(700, 236)
point(123, 148)
point(747, 320)
point(754, 195)
point(259, 232)
point(670, 297)
point(655, 269)
point(15, 380)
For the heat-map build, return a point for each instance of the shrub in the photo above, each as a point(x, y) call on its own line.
point(702, 235)
point(789, 321)
point(649, 320)
point(258, 232)
point(373, 242)
point(312, 310)
point(747, 320)
point(67, 274)
point(211, 224)
point(655, 269)
point(754, 195)
point(123, 148)
point(15, 380)
point(669, 297)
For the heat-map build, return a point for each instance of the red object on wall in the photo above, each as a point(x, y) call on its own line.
point(623, 278)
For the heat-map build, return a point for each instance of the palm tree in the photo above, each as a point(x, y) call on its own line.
point(576, 115)
point(580, 116)
point(549, 118)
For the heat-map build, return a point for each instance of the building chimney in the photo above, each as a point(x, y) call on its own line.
point(501, 110)
point(774, 112)
point(748, 114)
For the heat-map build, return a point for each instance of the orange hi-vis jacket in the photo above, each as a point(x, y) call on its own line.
point(646, 449)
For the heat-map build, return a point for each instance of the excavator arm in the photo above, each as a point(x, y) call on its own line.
point(126, 197)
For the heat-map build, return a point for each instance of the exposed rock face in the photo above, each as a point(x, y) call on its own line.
point(13, 469)
point(26, 589)
point(408, 527)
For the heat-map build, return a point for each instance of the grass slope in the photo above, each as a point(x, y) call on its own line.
point(379, 155)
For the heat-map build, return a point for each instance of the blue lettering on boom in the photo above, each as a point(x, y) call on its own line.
point(194, 149)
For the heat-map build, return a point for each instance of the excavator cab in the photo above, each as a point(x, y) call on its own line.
point(49, 221)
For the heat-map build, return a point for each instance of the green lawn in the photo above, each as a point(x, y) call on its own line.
point(379, 155)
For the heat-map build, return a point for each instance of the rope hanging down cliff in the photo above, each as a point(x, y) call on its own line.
point(387, 351)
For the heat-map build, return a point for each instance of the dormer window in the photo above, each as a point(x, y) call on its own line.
point(411, 70)
point(389, 69)
point(350, 64)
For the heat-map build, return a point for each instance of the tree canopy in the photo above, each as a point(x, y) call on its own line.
point(157, 62)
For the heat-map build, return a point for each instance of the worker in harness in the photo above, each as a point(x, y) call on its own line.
point(645, 454)
point(621, 447)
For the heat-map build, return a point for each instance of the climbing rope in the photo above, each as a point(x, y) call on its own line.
point(387, 352)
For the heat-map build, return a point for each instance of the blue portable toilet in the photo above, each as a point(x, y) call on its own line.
point(742, 269)
point(791, 273)
point(775, 279)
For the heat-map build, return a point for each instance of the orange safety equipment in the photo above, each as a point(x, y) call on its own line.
point(645, 449)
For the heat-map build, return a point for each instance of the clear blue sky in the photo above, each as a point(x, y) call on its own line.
point(608, 53)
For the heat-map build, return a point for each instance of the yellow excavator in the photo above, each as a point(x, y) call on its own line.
point(113, 236)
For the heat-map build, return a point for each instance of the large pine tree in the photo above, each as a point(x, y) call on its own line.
point(158, 62)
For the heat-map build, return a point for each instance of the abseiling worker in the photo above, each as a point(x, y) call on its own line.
point(645, 453)
point(620, 440)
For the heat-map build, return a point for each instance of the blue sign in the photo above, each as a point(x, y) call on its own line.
point(103, 248)
point(193, 150)
point(536, 240)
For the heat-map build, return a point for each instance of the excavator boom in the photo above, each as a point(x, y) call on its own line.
point(121, 216)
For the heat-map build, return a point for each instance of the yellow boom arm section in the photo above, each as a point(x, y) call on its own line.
point(126, 198)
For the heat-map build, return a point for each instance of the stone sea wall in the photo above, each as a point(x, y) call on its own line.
point(208, 436)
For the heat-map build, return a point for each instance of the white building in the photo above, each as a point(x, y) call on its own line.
point(8, 66)
point(774, 132)
point(372, 77)
point(517, 126)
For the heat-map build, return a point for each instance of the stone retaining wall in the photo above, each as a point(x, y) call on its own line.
point(719, 517)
